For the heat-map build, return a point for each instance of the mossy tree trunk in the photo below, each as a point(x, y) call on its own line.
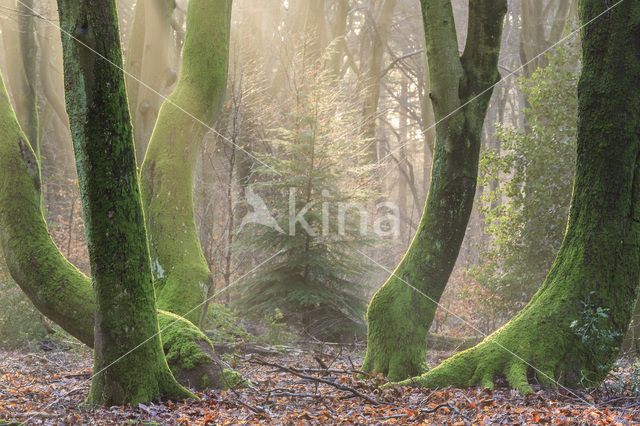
point(129, 362)
point(54, 285)
point(180, 268)
point(399, 317)
point(596, 272)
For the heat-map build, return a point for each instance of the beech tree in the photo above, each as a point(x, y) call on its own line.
point(399, 317)
point(129, 364)
point(57, 288)
point(181, 270)
point(148, 61)
point(21, 50)
point(571, 330)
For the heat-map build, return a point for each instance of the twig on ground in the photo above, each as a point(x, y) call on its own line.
point(257, 410)
point(316, 379)
point(445, 405)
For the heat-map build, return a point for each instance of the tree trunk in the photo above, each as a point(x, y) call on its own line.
point(21, 56)
point(631, 345)
point(339, 32)
point(167, 175)
point(56, 287)
point(399, 317)
point(148, 62)
point(373, 76)
point(129, 362)
point(596, 272)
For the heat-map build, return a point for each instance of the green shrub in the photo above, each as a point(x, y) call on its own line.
point(526, 215)
point(224, 326)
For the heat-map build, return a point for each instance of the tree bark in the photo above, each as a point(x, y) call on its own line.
point(597, 268)
point(54, 285)
point(129, 362)
point(339, 33)
point(148, 62)
point(399, 317)
point(167, 175)
point(374, 75)
point(21, 53)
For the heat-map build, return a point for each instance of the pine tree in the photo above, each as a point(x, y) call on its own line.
point(308, 182)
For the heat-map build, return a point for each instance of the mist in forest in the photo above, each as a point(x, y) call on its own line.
point(198, 194)
point(354, 74)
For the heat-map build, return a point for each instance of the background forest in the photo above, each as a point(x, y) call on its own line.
point(327, 120)
point(365, 65)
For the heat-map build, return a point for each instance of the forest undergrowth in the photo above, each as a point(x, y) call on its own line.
point(317, 384)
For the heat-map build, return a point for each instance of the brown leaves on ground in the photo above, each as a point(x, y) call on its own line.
point(49, 388)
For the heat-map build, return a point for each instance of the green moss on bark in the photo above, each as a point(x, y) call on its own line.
point(399, 316)
point(56, 287)
point(598, 265)
point(191, 356)
point(129, 363)
point(181, 271)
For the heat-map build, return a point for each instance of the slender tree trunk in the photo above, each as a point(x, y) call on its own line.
point(125, 310)
point(167, 175)
point(373, 76)
point(148, 62)
point(339, 33)
point(597, 269)
point(315, 26)
point(21, 55)
point(399, 317)
point(403, 164)
point(429, 133)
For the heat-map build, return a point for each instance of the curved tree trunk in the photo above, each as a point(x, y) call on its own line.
point(597, 270)
point(54, 285)
point(167, 175)
point(399, 317)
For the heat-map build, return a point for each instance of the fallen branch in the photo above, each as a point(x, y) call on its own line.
point(78, 375)
point(339, 386)
point(325, 371)
point(436, 408)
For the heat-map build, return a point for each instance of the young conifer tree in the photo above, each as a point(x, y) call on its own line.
point(316, 217)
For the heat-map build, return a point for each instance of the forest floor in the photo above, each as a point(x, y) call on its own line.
point(295, 386)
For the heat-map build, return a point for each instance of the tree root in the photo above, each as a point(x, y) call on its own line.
point(191, 356)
